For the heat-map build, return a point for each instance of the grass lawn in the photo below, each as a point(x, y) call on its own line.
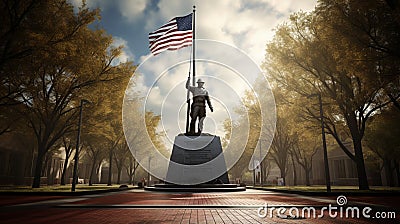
point(57, 188)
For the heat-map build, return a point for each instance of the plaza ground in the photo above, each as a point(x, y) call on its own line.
point(139, 206)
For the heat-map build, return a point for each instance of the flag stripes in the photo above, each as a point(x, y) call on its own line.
point(171, 36)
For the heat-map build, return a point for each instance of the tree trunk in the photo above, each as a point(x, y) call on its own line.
point(64, 172)
point(97, 173)
point(362, 175)
point(92, 171)
point(307, 171)
point(38, 170)
point(294, 172)
point(67, 156)
point(396, 166)
point(387, 165)
point(265, 174)
point(110, 169)
point(130, 174)
point(283, 175)
point(119, 175)
point(48, 168)
point(266, 169)
point(356, 135)
point(130, 180)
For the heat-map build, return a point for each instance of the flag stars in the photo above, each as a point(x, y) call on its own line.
point(185, 22)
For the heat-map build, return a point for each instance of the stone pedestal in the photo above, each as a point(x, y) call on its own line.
point(195, 159)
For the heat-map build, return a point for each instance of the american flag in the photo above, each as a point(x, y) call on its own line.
point(177, 33)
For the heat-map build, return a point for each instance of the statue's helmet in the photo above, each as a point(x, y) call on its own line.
point(200, 81)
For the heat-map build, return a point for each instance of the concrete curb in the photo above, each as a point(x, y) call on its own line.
point(66, 193)
point(333, 193)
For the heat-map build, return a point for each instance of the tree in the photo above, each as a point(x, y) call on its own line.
point(282, 145)
point(67, 145)
point(28, 27)
point(131, 166)
point(241, 166)
point(256, 123)
point(141, 135)
point(228, 131)
point(382, 138)
point(266, 168)
point(121, 153)
point(106, 113)
point(96, 151)
point(47, 166)
point(112, 145)
point(306, 58)
point(304, 150)
point(23, 33)
point(393, 3)
point(373, 29)
point(56, 74)
point(139, 145)
point(250, 119)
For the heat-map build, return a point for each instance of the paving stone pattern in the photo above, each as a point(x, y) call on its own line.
point(155, 207)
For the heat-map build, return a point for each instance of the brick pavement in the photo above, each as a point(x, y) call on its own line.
point(152, 207)
point(251, 197)
point(12, 200)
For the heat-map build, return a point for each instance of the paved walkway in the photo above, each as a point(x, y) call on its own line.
point(138, 206)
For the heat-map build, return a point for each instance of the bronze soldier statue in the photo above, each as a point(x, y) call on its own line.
point(198, 107)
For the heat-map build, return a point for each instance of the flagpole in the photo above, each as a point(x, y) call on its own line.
point(188, 103)
point(194, 72)
point(193, 45)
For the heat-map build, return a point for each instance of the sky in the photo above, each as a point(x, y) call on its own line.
point(232, 36)
point(247, 24)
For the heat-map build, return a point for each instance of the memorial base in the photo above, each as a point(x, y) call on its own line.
point(203, 158)
point(196, 152)
point(196, 188)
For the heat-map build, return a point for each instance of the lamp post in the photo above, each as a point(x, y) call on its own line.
point(261, 170)
point(321, 114)
point(75, 174)
point(148, 173)
point(254, 173)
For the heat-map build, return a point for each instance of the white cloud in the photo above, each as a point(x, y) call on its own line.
point(291, 5)
point(246, 24)
point(102, 4)
point(126, 54)
point(132, 9)
point(170, 9)
point(75, 3)
point(243, 23)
